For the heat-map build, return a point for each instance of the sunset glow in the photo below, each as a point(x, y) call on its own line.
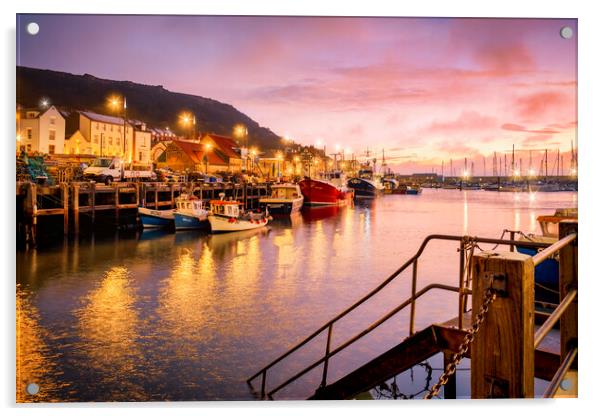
point(425, 90)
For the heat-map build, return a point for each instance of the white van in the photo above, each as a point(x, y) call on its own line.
point(107, 170)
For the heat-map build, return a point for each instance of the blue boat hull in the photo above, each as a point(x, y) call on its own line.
point(150, 221)
point(546, 277)
point(186, 222)
point(361, 188)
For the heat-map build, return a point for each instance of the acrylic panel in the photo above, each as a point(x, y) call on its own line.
point(284, 207)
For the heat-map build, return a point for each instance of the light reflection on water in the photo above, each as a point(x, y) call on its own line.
point(191, 316)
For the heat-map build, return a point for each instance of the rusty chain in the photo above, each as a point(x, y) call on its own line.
point(489, 296)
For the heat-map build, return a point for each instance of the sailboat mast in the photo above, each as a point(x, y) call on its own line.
point(546, 164)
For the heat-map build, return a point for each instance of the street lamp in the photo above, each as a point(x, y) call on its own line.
point(189, 122)
point(240, 132)
point(206, 157)
point(279, 157)
point(115, 103)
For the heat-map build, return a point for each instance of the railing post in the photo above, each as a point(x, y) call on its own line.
point(502, 353)
point(325, 371)
point(568, 281)
point(461, 285)
point(263, 375)
point(413, 304)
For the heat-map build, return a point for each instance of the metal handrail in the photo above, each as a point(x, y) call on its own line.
point(366, 331)
point(411, 261)
point(552, 249)
point(560, 373)
point(554, 317)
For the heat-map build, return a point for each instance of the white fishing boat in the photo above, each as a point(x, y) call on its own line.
point(285, 199)
point(227, 216)
point(189, 213)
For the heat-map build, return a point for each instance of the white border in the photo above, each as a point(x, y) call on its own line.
point(589, 154)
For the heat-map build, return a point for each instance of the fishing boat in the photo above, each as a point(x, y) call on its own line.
point(331, 189)
point(547, 272)
point(285, 199)
point(155, 218)
point(189, 213)
point(226, 216)
point(413, 189)
point(364, 185)
point(390, 185)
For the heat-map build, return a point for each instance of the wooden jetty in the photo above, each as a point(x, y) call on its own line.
point(500, 336)
point(76, 201)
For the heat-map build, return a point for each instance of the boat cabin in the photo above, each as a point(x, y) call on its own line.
point(225, 208)
point(189, 204)
point(285, 192)
point(549, 223)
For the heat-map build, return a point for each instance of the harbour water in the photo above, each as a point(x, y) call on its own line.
point(189, 316)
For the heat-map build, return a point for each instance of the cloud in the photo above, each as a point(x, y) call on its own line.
point(466, 121)
point(518, 127)
point(541, 104)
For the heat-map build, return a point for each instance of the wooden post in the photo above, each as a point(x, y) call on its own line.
point(144, 195)
point(568, 281)
point(117, 204)
point(65, 198)
point(137, 186)
point(171, 194)
point(156, 197)
point(75, 197)
point(92, 200)
point(502, 353)
point(449, 391)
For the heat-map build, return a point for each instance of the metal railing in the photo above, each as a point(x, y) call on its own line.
point(413, 261)
point(555, 316)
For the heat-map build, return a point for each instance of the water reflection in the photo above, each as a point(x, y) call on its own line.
point(187, 316)
point(108, 331)
point(35, 362)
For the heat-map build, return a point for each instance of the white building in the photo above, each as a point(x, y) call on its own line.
point(41, 131)
point(102, 135)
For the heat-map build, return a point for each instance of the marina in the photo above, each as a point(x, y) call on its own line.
point(289, 208)
point(163, 294)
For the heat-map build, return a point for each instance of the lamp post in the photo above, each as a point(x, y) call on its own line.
point(206, 158)
point(241, 132)
point(114, 103)
point(279, 158)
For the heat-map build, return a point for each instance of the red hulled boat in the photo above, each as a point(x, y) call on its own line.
point(328, 191)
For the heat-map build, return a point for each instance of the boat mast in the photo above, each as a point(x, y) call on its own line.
point(558, 163)
point(546, 164)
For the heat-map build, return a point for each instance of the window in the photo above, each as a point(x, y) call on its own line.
point(97, 126)
point(139, 156)
point(117, 141)
point(104, 127)
point(111, 127)
point(29, 133)
point(51, 149)
point(119, 129)
point(96, 138)
point(110, 141)
point(29, 148)
point(52, 121)
point(51, 134)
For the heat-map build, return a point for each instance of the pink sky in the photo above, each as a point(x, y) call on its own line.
point(424, 90)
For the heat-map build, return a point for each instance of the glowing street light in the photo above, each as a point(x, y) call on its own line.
point(516, 173)
point(206, 157)
point(44, 103)
point(531, 172)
